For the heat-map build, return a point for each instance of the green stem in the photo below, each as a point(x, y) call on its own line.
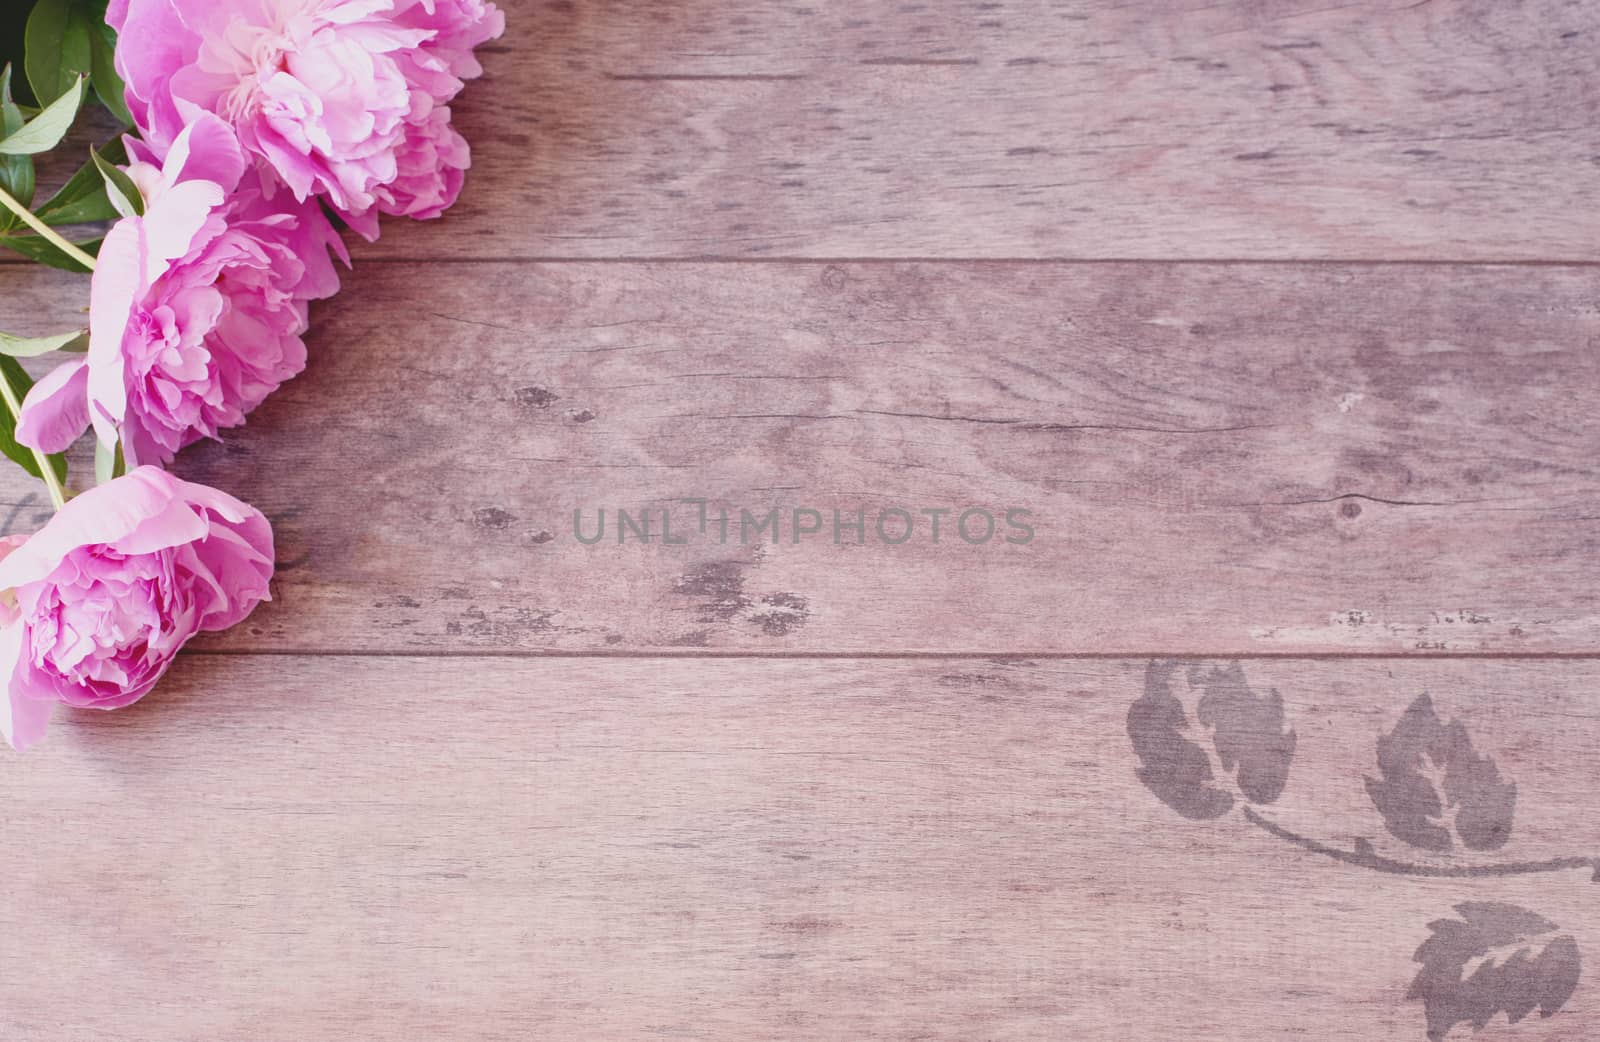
point(47, 233)
point(57, 495)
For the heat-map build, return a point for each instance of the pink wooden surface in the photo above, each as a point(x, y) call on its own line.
point(1286, 129)
point(375, 848)
point(467, 779)
point(1250, 459)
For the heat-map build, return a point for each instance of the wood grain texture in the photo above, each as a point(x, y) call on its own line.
point(1451, 129)
point(511, 835)
point(349, 848)
point(1237, 459)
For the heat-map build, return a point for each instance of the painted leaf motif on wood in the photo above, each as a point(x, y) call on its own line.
point(1247, 731)
point(1247, 734)
point(1172, 765)
point(1497, 958)
point(1435, 787)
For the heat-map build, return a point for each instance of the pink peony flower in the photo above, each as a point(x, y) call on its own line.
point(342, 99)
point(100, 599)
point(196, 310)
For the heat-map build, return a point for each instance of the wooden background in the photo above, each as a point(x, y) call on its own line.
point(1283, 318)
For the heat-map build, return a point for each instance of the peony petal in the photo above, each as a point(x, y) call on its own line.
point(176, 525)
point(105, 514)
point(206, 150)
point(117, 284)
point(56, 411)
point(151, 46)
point(238, 573)
point(140, 151)
point(23, 720)
point(363, 224)
point(173, 221)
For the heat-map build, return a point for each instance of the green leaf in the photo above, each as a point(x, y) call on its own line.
point(83, 198)
point(28, 347)
point(108, 85)
point(19, 381)
point(108, 462)
point(16, 172)
point(120, 189)
point(56, 48)
point(44, 131)
point(37, 249)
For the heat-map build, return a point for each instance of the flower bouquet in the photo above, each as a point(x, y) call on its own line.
point(257, 132)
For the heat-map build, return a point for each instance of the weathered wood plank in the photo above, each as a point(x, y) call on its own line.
point(1234, 459)
point(386, 848)
point(1456, 129)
